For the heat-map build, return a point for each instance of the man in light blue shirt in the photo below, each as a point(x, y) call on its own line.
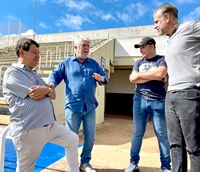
point(32, 113)
point(81, 75)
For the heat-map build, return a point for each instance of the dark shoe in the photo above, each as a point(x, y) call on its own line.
point(87, 167)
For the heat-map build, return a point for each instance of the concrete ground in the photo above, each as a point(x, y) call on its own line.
point(112, 148)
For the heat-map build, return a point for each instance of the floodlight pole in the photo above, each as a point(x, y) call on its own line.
point(35, 6)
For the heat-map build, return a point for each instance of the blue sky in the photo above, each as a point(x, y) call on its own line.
point(56, 16)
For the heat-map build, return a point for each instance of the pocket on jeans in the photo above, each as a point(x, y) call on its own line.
point(18, 139)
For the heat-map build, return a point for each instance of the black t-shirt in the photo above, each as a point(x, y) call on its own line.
point(152, 90)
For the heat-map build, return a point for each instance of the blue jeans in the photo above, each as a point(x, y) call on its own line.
point(88, 119)
point(183, 122)
point(142, 109)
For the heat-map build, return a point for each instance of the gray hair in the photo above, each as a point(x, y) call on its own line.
point(79, 39)
point(168, 8)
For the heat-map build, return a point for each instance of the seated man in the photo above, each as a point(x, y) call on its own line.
point(32, 114)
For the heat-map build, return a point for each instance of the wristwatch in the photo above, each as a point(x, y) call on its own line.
point(50, 91)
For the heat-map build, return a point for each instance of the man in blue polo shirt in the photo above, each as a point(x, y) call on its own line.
point(149, 75)
point(81, 75)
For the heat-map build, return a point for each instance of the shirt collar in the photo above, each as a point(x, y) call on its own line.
point(174, 29)
point(19, 65)
point(86, 60)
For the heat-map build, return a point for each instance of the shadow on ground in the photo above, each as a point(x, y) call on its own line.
point(116, 131)
point(142, 169)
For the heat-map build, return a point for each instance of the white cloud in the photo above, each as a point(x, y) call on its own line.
point(59, 1)
point(81, 5)
point(157, 3)
point(137, 10)
point(28, 32)
point(73, 22)
point(185, 1)
point(108, 17)
point(40, 1)
point(11, 18)
point(101, 14)
point(43, 25)
point(126, 18)
point(133, 12)
point(193, 15)
point(110, 1)
point(75, 5)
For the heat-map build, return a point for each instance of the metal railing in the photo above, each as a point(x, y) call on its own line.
point(58, 53)
point(3, 138)
point(50, 59)
point(66, 50)
point(39, 65)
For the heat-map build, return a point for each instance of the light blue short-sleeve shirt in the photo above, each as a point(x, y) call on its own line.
point(26, 113)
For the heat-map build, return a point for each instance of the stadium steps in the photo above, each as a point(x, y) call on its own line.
point(4, 119)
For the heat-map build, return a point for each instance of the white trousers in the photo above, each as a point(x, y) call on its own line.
point(29, 145)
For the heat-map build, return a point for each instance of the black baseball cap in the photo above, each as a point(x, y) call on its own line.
point(145, 41)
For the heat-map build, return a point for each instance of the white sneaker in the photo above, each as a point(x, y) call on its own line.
point(132, 168)
point(166, 170)
point(87, 167)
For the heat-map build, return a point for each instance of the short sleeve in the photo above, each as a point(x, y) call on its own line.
point(162, 62)
point(136, 66)
point(16, 85)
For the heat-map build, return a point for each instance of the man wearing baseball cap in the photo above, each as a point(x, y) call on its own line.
point(149, 75)
point(145, 41)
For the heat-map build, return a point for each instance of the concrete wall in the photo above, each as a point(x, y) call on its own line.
point(119, 33)
point(126, 54)
point(59, 103)
point(119, 82)
point(106, 51)
point(125, 47)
